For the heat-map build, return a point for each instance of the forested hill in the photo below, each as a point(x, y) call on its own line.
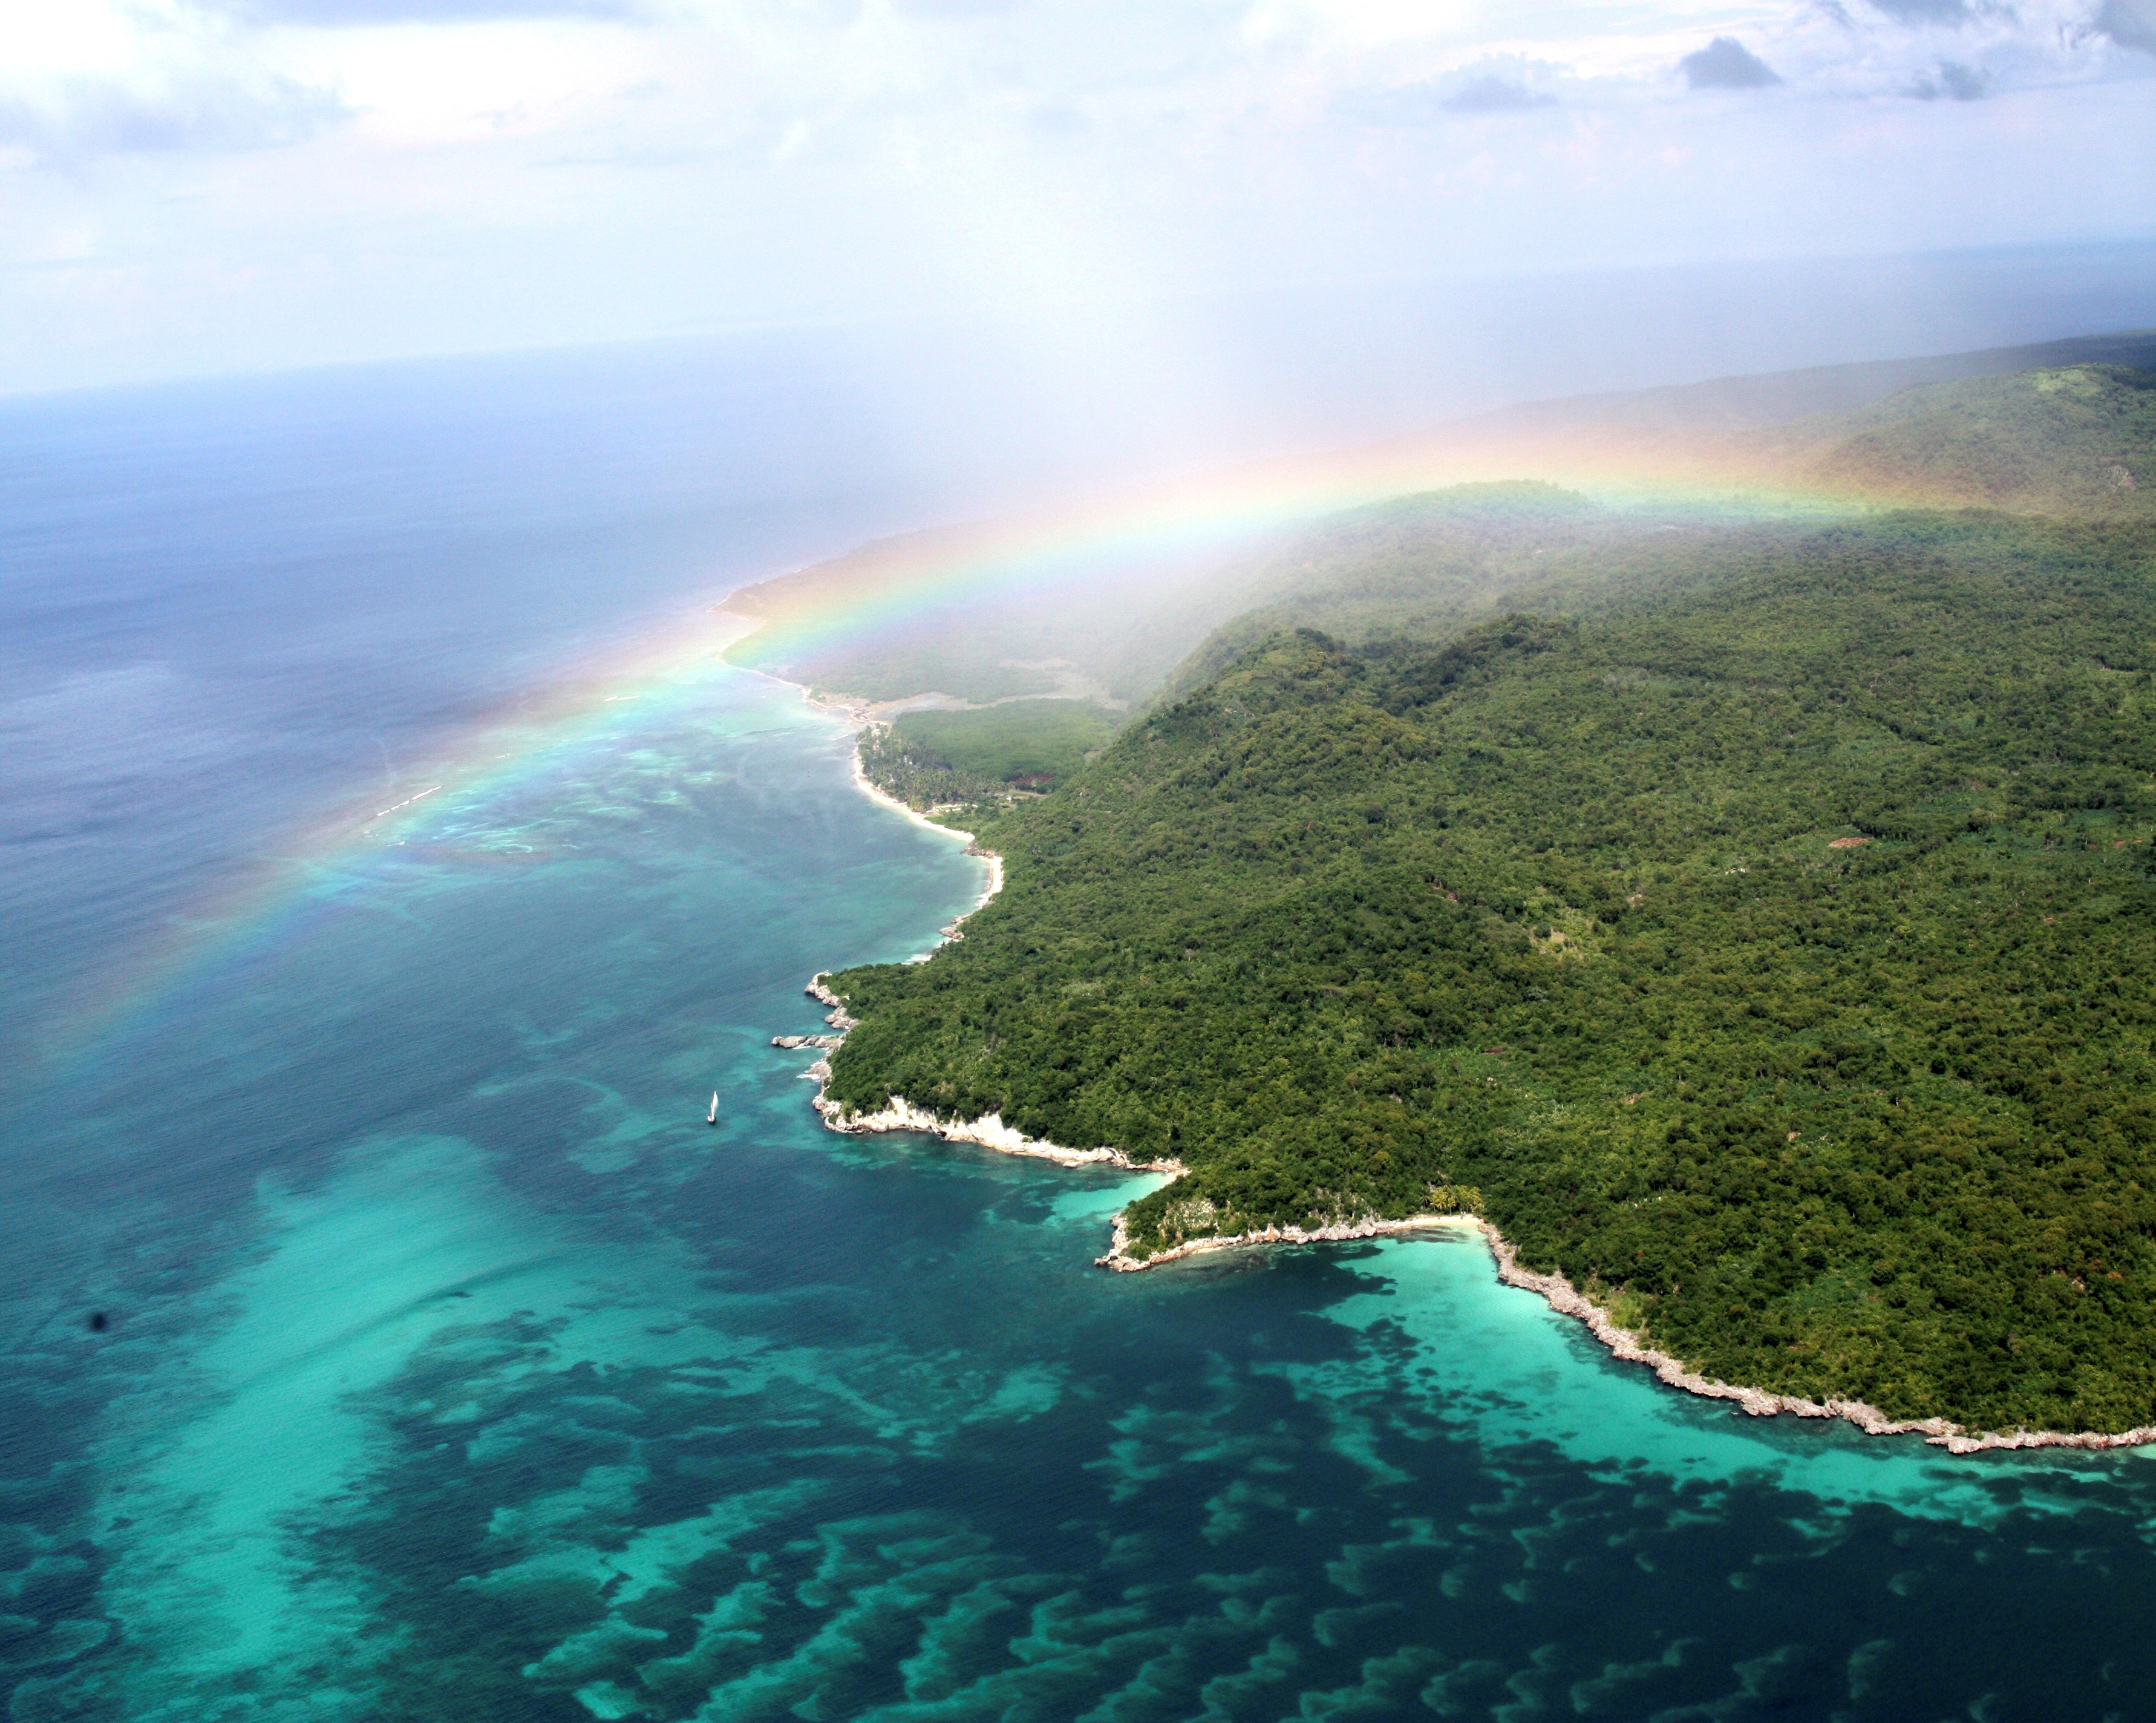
point(2077, 441)
point(978, 613)
point(1409, 567)
point(1773, 952)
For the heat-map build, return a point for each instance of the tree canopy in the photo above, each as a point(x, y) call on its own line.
point(1769, 945)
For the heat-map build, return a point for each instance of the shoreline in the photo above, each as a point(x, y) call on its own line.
point(1568, 1300)
point(990, 1132)
point(857, 717)
point(972, 847)
point(1120, 1259)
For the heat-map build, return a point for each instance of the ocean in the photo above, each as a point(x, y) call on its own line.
point(389, 1336)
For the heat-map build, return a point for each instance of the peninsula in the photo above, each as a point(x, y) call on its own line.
point(1753, 926)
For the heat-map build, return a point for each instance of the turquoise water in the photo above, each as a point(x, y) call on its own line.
point(476, 1377)
point(451, 1368)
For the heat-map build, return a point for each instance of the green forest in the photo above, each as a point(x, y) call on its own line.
point(1757, 925)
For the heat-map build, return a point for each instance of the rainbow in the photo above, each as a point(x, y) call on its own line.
point(879, 589)
point(884, 587)
point(314, 869)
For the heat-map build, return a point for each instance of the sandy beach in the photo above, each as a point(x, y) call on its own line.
point(995, 862)
point(995, 881)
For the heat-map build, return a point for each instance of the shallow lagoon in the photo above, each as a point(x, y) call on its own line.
point(456, 1369)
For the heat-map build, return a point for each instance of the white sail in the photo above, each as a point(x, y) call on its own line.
point(713, 1117)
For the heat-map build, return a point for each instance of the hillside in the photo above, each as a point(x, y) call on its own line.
point(1762, 400)
point(1771, 949)
point(1410, 568)
point(2077, 443)
point(989, 611)
point(2067, 442)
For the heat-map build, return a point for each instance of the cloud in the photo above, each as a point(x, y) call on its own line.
point(1726, 64)
point(790, 159)
point(1490, 94)
point(950, 8)
point(1955, 81)
point(346, 13)
point(2131, 23)
point(1057, 120)
point(86, 119)
point(1927, 11)
point(1496, 84)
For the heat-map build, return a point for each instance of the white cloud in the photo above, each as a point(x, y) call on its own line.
point(73, 121)
point(324, 178)
point(100, 78)
point(366, 13)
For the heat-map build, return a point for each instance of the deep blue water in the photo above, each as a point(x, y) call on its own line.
point(454, 1369)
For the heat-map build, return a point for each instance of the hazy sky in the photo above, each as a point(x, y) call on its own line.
point(194, 186)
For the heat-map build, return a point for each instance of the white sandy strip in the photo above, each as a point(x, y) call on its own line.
point(1368, 1227)
point(995, 880)
point(859, 717)
point(989, 1131)
point(869, 790)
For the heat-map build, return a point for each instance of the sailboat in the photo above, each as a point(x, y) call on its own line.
point(712, 1116)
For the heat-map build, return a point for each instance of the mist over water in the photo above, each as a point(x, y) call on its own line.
point(452, 1366)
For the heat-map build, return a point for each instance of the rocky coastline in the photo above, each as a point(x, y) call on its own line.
point(1568, 1300)
point(990, 1132)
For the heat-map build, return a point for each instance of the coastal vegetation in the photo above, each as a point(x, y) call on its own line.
point(1412, 568)
point(1756, 922)
point(983, 760)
